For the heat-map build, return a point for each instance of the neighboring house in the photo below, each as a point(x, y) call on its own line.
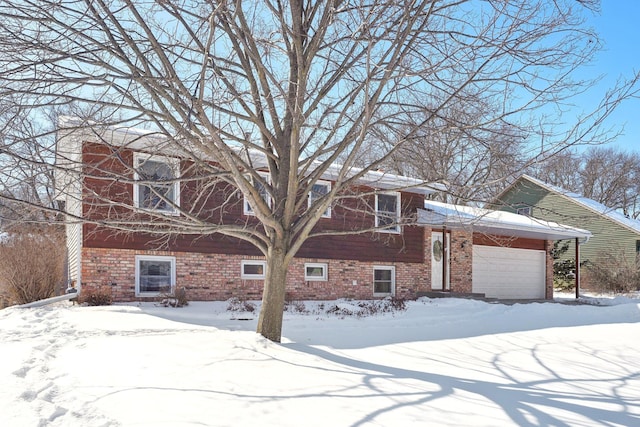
point(449, 249)
point(613, 233)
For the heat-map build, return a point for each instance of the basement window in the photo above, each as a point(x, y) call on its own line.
point(253, 270)
point(384, 281)
point(155, 275)
point(315, 272)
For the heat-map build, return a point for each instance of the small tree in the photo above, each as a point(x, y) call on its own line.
point(32, 262)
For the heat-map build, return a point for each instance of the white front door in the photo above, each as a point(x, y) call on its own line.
point(439, 261)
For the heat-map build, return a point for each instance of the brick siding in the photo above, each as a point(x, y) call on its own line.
point(211, 277)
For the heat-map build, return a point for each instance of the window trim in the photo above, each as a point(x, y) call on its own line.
point(392, 268)
point(174, 164)
point(325, 272)
point(246, 207)
point(394, 229)
point(245, 276)
point(162, 258)
point(326, 213)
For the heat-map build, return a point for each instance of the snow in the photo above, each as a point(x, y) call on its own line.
point(441, 362)
point(501, 222)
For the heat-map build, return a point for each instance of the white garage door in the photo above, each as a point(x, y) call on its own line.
point(508, 273)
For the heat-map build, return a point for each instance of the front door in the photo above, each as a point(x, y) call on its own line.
point(440, 261)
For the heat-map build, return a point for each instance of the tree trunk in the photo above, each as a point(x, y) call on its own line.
point(270, 319)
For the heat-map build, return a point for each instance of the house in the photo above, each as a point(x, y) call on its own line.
point(613, 233)
point(114, 176)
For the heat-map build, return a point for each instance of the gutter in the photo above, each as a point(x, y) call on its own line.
point(47, 301)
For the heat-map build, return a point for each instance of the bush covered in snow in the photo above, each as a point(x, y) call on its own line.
point(237, 305)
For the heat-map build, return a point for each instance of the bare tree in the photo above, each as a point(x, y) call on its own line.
point(608, 175)
point(463, 145)
point(562, 170)
point(289, 87)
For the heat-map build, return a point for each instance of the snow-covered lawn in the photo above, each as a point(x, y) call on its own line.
point(442, 362)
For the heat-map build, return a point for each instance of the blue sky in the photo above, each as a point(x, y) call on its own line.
point(618, 25)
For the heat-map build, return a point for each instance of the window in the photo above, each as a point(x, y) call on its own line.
point(253, 269)
point(159, 189)
point(248, 210)
point(384, 281)
point(320, 189)
point(315, 272)
point(155, 275)
point(524, 210)
point(388, 212)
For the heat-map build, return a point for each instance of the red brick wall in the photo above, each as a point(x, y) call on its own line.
point(461, 251)
point(217, 277)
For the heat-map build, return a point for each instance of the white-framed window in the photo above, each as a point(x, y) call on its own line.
point(250, 269)
point(248, 210)
point(388, 212)
point(524, 210)
point(320, 189)
point(157, 187)
point(314, 271)
point(155, 275)
point(384, 280)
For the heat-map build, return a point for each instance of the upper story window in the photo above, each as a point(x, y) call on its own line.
point(320, 189)
point(157, 187)
point(248, 209)
point(524, 210)
point(388, 212)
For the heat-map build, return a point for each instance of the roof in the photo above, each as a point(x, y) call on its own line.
point(144, 140)
point(498, 223)
point(590, 204)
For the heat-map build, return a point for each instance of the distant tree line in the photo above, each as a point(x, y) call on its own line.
point(606, 174)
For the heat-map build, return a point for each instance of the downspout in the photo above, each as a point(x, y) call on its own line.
point(577, 272)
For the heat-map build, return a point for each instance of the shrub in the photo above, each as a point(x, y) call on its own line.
point(238, 305)
point(564, 274)
point(96, 296)
point(613, 272)
point(295, 307)
point(32, 262)
point(563, 269)
point(367, 308)
point(176, 299)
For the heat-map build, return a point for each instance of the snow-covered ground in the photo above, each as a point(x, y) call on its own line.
point(442, 362)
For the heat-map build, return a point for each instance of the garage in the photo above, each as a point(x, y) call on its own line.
point(507, 255)
point(509, 273)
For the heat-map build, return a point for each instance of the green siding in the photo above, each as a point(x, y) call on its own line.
point(608, 235)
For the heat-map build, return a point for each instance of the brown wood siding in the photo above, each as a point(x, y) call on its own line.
point(219, 204)
point(508, 242)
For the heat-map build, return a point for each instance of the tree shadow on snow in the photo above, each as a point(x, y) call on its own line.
point(553, 399)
